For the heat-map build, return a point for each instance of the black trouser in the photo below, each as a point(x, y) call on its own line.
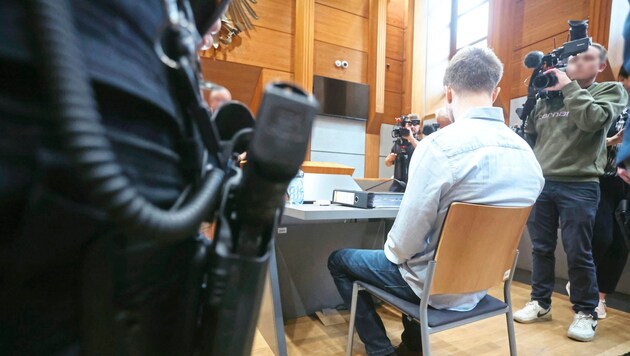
point(609, 249)
point(575, 205)
point(59, 289)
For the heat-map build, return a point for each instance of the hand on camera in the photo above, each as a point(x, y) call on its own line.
point(390, 159)
point(563, 79)
point(411, 139)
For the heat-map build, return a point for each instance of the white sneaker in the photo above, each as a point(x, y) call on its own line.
point(568, 287)
point(531, 313)
point(601, 309)
point(582, 328)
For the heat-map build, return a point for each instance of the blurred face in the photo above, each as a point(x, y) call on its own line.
point(586, 65)
point(413, 128)
point(219, 98)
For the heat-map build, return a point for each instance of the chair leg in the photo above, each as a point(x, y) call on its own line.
point(424, 336)
point(511, 334)
point(353, 307)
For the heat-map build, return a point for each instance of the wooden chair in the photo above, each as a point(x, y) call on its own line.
point(477, 250)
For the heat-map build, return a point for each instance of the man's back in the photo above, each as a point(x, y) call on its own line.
point(478, 159)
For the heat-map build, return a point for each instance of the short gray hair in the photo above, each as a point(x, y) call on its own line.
point(474, 70)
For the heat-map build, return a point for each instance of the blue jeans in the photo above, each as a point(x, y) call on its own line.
point(371, 266)
point(575, 205)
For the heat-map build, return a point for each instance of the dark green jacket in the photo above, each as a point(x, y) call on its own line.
point(570, 130)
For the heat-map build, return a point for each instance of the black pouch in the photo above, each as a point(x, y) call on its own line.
point(622, 215)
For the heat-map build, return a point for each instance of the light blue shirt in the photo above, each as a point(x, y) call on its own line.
point(477, 159)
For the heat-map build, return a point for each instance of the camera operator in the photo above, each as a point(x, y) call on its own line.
point(402, 150)
point(568, 129)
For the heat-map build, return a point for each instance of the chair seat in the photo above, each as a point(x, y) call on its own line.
point(436, 317)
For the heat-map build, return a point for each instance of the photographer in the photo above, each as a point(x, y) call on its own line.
point(569, 129)
point(402, 150)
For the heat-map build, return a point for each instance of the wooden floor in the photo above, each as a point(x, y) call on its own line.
point(307, 336)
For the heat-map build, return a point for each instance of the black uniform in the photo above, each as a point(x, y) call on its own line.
point(403, 152)
point(56, 273)
point(610, 252)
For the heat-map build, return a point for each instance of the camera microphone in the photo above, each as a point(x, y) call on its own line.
point(275, 154)
point(533, 59)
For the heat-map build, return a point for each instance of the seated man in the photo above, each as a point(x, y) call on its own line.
point(477, 159)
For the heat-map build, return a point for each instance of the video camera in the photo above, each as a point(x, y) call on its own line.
point(400, 130)
point(558, 58)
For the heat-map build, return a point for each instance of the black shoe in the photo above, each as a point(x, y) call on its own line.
point(403, 350)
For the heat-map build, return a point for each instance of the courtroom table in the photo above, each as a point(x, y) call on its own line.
point(299, 282)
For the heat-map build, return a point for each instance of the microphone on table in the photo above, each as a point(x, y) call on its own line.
point(402, 184)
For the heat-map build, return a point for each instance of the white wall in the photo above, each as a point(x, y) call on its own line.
point(339, 140)
point(618, 15)
point(385, 148)
point(514, 104)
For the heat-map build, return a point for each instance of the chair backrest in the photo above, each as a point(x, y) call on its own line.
point(477, 247)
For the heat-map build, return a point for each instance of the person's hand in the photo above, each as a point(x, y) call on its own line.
point(411, 139)
point(208, 38)
point(390, 159)
point(623, 174)
point(563, 79)
point(615, 140)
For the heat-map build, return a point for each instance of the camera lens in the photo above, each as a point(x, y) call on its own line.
point(578, 29)
point(545, 81)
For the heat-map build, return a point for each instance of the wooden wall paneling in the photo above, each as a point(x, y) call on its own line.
point(262, 47)
point(418, 25)
point(377, 58)
point(270, 75)
point(543, 19)
point(599, 29)
point(376, 80)
point(304, 47)
point(303, 54)
point(599, 20)
point(407, 62)
point(357, 7)
point(324, 62)
point(267, 76)
point(501, 16)
point(276, 15)
point(395, 47)
point(341, 28)
point(372, 142)
point(393, 107)
point(394, 75)
point(258, 94)
point(396, 12)
point(241, 80)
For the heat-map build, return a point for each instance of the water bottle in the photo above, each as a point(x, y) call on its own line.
point(296, 189)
